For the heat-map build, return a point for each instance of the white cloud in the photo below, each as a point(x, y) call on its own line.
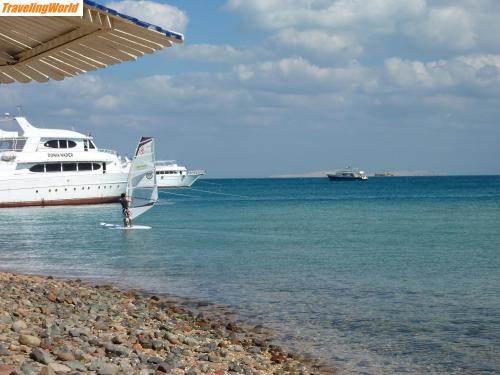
point(209, 53)
point(439, 26)
point(276, 14)
point(463, 72)
point(450, 27)
point(164, 15)
point(108, 102)
point(318, 43)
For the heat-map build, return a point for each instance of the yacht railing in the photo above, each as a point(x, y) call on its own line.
point(165, 163)
point(113, 152)
point(12, 144)
point(197, 172)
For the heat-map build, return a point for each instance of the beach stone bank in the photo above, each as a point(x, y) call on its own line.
point(50, 326)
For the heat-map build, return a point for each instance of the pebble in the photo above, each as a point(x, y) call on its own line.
point(118, 350)
point(108, 369)
point(47, 371)
point(164, 367)
point(3, 351)
point(28, 369)
point(65, 356)
point(40, 355)
point(53, 327)
point(59, 367)
point(29, 340)
point(19, 325)
point(76, 365)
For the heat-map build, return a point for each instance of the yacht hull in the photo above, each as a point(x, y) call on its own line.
point(62, 190)
point(337, 178)
point(166, 181)
point(62, 202)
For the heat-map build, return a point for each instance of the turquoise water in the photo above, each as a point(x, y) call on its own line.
point(391, 275)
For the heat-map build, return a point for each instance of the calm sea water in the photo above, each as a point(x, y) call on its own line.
point(391, 275)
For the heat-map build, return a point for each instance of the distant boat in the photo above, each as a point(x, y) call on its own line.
point(170, 174)
point(384, 174)
point(347, 174)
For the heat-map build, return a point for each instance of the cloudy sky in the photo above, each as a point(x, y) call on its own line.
point(268, 87)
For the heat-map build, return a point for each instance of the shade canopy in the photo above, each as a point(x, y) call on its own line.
point(43, 48)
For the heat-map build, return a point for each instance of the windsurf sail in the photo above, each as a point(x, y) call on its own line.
point(141, 184)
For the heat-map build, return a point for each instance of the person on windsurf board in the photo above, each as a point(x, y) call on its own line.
point(125, 202)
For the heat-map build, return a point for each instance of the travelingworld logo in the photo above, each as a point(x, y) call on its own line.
point(41, 8)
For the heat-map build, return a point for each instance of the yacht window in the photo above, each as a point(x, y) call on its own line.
point(85, 145)
point(96, 166)
point(67, 167)
point(20, 144)
point(37, 168)
point(63, 143)
point(84, 166)
point(71, 144)
point(52, 144)
point(53, 167)
point(6, 144)
point(91, 145)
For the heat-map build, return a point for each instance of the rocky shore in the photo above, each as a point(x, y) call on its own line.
point(50, 326)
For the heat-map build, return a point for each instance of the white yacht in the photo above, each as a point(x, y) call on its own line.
point(170, 174)
point(41, 167)
point(347, 174)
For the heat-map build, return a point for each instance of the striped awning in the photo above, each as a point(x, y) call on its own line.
point(40, 48)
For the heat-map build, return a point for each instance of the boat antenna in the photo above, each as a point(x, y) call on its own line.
point(20, 110)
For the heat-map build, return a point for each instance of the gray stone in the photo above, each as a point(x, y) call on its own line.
point(96, 363)
point(164, 367)
point(5, 318)
point(42, 356)
point(117, 350)
point(157, 344)
point(3, 351)
point(254, 350)
point(108, 369)
point(189, 341)
point(74, 332)
point(154, 360)
point(205, 367)
point(203, 357)
point(76, 365)
point(28, 369)
point(234, 367)
point(213, 357)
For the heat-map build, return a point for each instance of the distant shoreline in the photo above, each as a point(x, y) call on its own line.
point(371, 175)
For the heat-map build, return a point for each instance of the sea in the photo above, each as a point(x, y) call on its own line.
point(394, 275)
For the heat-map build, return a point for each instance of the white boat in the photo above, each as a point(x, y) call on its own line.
point(347, 174)
point(170, 174)
point(40, 167)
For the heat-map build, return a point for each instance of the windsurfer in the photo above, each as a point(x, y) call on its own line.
point(125, 202)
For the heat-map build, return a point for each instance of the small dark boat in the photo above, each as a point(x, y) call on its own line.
point(347, 174)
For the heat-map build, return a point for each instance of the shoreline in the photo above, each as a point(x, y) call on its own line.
point(56, 325)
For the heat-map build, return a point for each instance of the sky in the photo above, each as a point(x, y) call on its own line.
point(272, 87)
